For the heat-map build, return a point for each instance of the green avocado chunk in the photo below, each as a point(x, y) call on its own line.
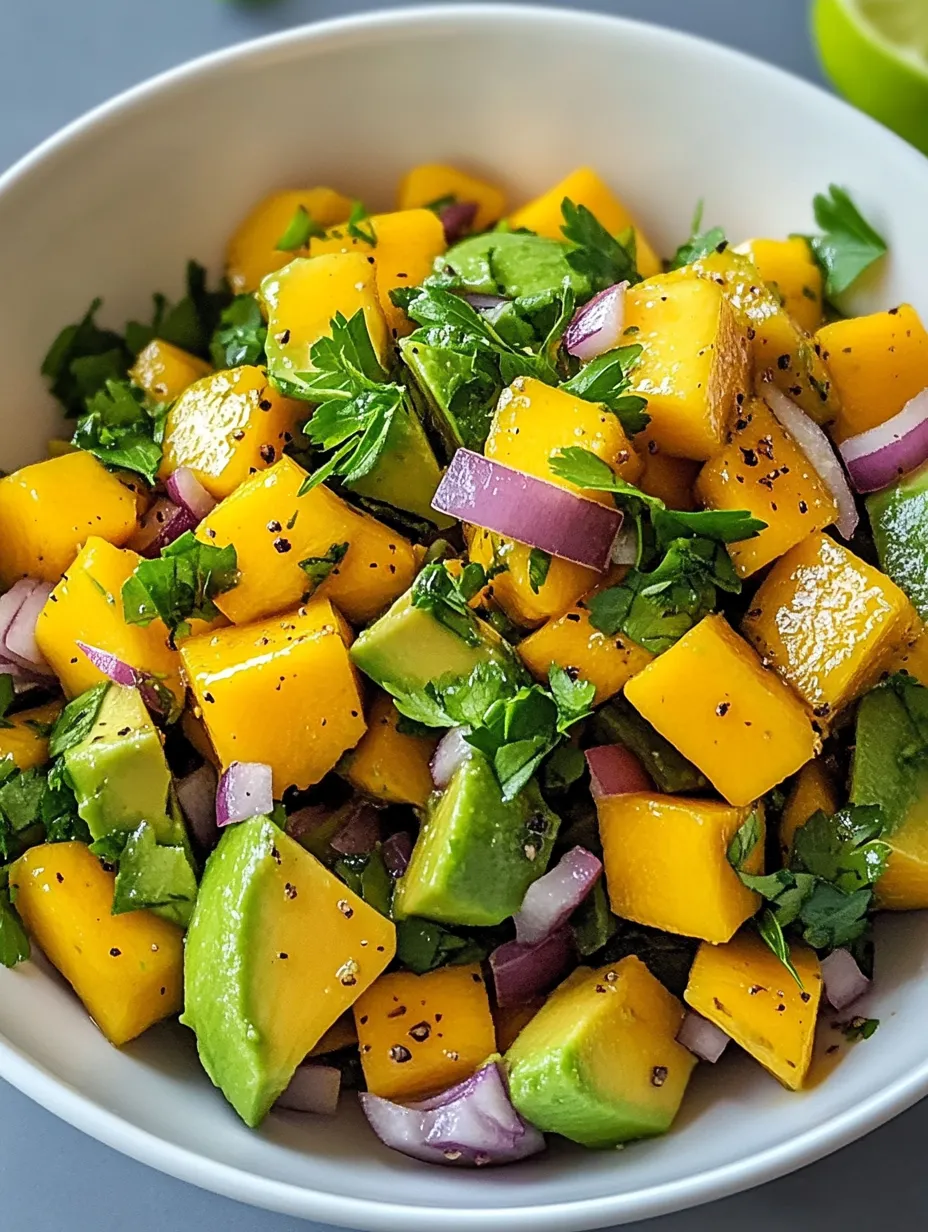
point(476, 854)
point(599, 1063)
point(460, 387)
point(891, 753)
point(899, 518)
point(514, 264)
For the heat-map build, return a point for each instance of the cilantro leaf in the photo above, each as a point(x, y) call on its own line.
point(848, 246)
point(844, 849)
point(607, 380)
point(76, 720)
point(447, 598)
point(154, 877)
point(21, 798)
point(422, 946)
point(573, 696)
point(82, 359)
point(769, 928)
point(746, 838)
point(300, 229)
point(318, 568)
point(539, 562)
point(188, 324)
point(14, 943)
point(240, 336)
point(355, 226)
point(860, 1028)
point(700, 244)
point(122, 429)
point(596, 254)
point(180, 585)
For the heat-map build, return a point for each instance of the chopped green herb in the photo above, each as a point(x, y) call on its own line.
point(746, 839)
point(848, 244)
point(240, 335)
point(300, 229)
point(82, 359)
point(14, 943)
point(447, 597)
point(769, 928)
point(600, 257)
point(7, 697)
point(318, 568)
point(539, 562)
point(860, 1029)
point(607, 379)
point(355, 227)
point(564, 767)
point(122, 429)
point(180, 585)
point(154, 877)
point(423, 946)
point(700, 244)
point(76, 720)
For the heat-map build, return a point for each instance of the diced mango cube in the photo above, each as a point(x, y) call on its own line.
point(406, 245)
point(584, 187)
point(86, 606)
point(667, 865)
point(763, 470)
point(164, 371)
point(279, 535)
point(878, 363)
point(253, 251)
point(746, 991)
point(904, 884)
point(281, 691)
point(694, 363)
point(828, 622)
point(26, 737)
point(227, 426)
point(788, 267)
point(713, 699)
point(812, 790)
point(50, 509)
point(420, 1034)
point(668, 478)
point(127, 969)
point(388, 764)
point(432, 182)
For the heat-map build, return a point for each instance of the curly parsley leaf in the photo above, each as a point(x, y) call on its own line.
point(848, 244)
point(597, 255)
point(318, 568)
point(240, 336)
point(122, 429)
point(700, 243)
point(300, 230)
point(180, 585)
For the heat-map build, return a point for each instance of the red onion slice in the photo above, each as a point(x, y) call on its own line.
point(313, 1088)
point(450, 753)
point(509, 502)
point(473, 1124)
point(19, 644)
point(457, 218)
point(162, 524)
point(196, 794)
point(245, 790)
point(702, 1037)
point(396, 851)
point(551, 900)
point(843, 982)
point(597, 326)
point(359, 833)
point(157, 698)
point(186, 490)
point(885, 453)
point(522, 972)
point(615, 771)
point(12, 601)
point(820, 452)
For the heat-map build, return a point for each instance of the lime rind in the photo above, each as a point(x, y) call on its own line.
point(901, 23)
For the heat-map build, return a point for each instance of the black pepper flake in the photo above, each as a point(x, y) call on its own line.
point(722, 709)
point(658, 1075)
point(803, 507)
point(115, 953)
point(208, 697)
point(124, 731)
point(284, 337)
point(750, 457)
point(805, 996)
point(268, 453)
point(420, 1032)
point(59, 878)
point(238, 434)
point(290, 891)
point(282, 954)
point(832, 1048)
point(574, 617)
point(397, 1012)
point(274, 527)
point(265, 405)
point(399, 1054)
point(345, 908)
point(275, 855)
point(821, 711)
point(282, 545)
point(783, 362)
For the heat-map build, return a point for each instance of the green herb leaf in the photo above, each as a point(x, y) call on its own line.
point(180, 585)
point(355, 226)
point(539, 562)
point(7, 697)
point(769, 928)
point(573, 696)
point(422, 946)
point(14, 943)
point(848, 246)
point(564, 767)
point(240, 336)
point(21, 798)
point(745, 840)
point(300, 229)
point(607, 380)
point(318, 568)
point(82, 358)
point(844, 849)
point(700, 244)
point(154, 877)
point(596, 254)
point(123, 430)
point(76, 720)
point(447, 598)
point(367, 876)
point(860, 1029)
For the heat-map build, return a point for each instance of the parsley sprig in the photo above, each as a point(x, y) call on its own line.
point(848, 245)
point(602, 258)
point(180, 585)
point(122, 428)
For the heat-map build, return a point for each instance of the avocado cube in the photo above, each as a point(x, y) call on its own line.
point(899, 518)
point(477, 854)
point(599, 1063)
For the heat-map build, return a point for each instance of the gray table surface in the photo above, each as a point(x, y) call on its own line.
point(58, 58)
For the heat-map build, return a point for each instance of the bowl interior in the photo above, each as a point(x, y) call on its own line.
point(116, 207)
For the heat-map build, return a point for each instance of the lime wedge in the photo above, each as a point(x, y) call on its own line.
point(876, 54)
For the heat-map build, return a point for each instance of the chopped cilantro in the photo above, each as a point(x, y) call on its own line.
point(76, 720)
point(300, 229)
point(356, 228)
point(154, 877)
point(860, 1028)
point(7, 697)
point(746, 838)
point(564, 767)
point(848, 244)
point(21, 798)
point(599, 256)
point(447, 597)
point(607, 380)
point(318, 568)
point(423, 946)
point(240, 336)
point(14, 943)
point(771, 932)
point(82, 359)
point(539, 562)
point(122, 429)
point(700, 244)
point(180, 585)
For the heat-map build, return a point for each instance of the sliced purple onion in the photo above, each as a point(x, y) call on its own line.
point(19, 644)
point(597, 326)
point(162, 524)
point(473, 1124)
point(451, 752)
point(359, 833)
point(615, 771)
point(157, 698)
point(820, 452)
point(522, 972)
point(313, 1088)
point(885, 453)
point(396, 851)
point(485, 303)
point(12, 601)
point(457, 218)
point(196, 794)
point(304, 821)
point(186, 490)
point(551, 900)
point(843, 982)
point(542, 515)
point(246, 790)
point(702, 1037)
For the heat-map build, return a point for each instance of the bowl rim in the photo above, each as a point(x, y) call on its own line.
point(83, 1112)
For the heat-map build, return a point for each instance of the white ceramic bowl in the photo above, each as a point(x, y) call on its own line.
point(115, 204)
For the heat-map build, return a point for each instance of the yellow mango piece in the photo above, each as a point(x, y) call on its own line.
point(341, 1034)
point(301, 300)
point(281, 691)
point(584, 187)
point(668, 478)
point(86, 606)
point(912, 657)
point(904, 884)
point(253, 251)
point(432, 181)
point(274, 529)
point(812, 790)
point(510, 1020)
point(164, 371)
point(50, 509)
point(878, 363)
point(828, 623)
point(694, 363)
point(407, 243)
point(746, 991)
point(788, 267)
point(420, 1034)
point(227, 426)
point(763, 470)
point(667, 866)
point(571, 642)
point(712, 698)
point(25, 740)
point(389, 765)
point(513, 591)
point(127, 969)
